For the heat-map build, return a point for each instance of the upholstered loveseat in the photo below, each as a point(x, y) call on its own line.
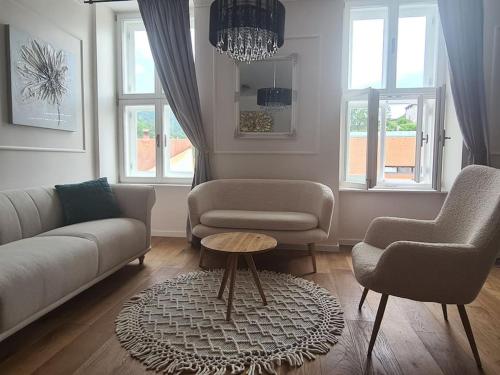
point(292, 211)
point(43, 263)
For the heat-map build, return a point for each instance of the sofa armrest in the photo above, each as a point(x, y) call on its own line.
point(136, 202)
point(385, 230)
point(325, 211)
point(199, 201)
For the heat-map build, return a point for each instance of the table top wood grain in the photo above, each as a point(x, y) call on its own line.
point(239, 242)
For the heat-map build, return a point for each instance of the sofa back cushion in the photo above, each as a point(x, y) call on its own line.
point(28, 212)
point(265, 195)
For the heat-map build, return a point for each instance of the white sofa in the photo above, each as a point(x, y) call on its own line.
point(291, 211)
point(43, 263)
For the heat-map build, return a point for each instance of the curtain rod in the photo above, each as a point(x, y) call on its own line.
point(101, 1)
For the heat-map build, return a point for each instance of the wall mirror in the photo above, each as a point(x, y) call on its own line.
point(266, 98)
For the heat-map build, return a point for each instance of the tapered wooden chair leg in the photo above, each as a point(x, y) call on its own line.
point(312, 253)
point(253, 269)
point(470, 336)
point(234, 268)
point(378, 321)
point(227, 272)
point(363, 296)
point(141, 259)
point(445, 311)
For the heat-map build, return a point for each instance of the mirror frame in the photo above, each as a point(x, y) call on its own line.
point(293, 122)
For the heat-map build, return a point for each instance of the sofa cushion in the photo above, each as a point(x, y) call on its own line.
point(270, 220)
point(86, 201)
point(36, 272)
point(117, 239)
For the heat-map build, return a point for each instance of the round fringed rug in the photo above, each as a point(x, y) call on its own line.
point(179, 325)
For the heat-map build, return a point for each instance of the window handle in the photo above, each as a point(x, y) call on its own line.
point(158, 141)
point(424, 139)
point(445, 137)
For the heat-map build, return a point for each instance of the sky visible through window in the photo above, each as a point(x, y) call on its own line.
point(144, 65)
point(367, 53)
point(367, 46)
point(411, 52)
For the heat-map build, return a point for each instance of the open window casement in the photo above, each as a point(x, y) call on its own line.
point(359, 145)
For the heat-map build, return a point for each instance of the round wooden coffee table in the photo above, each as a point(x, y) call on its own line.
point(235, 244)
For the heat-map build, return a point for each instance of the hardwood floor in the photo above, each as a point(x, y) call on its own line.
point(79, 338)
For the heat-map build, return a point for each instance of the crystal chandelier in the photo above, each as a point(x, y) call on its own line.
point(247, 30)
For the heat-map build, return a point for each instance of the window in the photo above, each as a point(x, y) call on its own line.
point(392, 112)
point(154, 148)
point(368, 42)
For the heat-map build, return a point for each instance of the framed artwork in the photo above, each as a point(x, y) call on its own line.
point(45, 82)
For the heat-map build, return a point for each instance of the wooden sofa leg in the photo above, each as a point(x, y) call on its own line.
point(470, 335)
point(195, 242)
point(202, 255)
point(141, 259)
point(312, 253)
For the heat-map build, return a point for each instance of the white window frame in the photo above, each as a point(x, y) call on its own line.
point(391, 92)
point(157, 99)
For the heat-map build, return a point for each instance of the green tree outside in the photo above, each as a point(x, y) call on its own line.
point(146, 122)
point(359, 122)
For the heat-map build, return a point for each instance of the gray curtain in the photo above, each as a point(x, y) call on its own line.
point(167, 26)
point(462, 22)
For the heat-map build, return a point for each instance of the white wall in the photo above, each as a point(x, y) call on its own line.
point(21, 168)
point(358, 209)
point(169, 216)
point(106, 98)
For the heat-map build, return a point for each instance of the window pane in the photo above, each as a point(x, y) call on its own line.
point(179, 155)
point(417, 40)
point(138, 65)
point(356, 142)
point(397, 140)
point(367, 48)
point(140, 144)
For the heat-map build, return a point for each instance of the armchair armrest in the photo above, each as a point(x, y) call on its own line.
point(434, 272)
point(385, 230)
point(136, 202)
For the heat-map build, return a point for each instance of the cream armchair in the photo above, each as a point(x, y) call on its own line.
point(445, 260)
point(291, 211)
